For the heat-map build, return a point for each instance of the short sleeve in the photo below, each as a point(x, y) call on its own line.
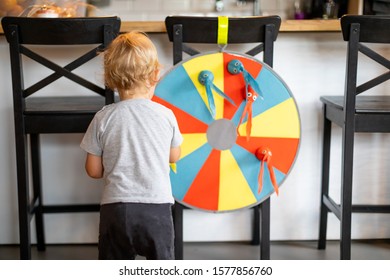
point(91, 140)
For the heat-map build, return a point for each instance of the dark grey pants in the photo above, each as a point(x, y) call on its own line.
point(130, 229)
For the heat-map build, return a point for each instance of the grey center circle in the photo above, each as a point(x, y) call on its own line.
point(222, 134)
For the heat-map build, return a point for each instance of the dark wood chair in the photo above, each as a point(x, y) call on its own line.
point(184, 31)
point(354, 113)
point(51, 114)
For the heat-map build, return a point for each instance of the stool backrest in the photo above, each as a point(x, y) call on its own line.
point(241, 30)
point(359, 31)
point(372, 29)
point(23, 33)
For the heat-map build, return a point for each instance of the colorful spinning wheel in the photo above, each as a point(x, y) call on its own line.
point(221, 168)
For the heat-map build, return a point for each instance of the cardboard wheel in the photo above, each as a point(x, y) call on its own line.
point(220, 166)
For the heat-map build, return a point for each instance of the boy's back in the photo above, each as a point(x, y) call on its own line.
point(136, 136)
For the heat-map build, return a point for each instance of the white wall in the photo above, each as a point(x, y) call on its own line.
point(312, 64)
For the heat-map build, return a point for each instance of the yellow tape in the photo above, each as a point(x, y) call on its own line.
point(223, 28)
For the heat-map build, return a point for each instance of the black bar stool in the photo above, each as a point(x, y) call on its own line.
point(354, 113)
point(51, 114)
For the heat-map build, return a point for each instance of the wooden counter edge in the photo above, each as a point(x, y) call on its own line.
point(144, 26)
point(309, 25)
point(317, 25)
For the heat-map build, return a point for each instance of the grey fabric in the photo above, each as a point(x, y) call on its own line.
point(130, 229)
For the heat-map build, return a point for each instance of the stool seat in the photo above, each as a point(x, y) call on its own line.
point(64, 105)
point(372, 113)
point(42, 114)
point(373, 104)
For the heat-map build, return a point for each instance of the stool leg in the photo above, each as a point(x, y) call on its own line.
point(37, 187)
point(178, 224)
point(256, 225)
point(327, 130)
point(23, 194)
point(346, 193)
point(265, 213)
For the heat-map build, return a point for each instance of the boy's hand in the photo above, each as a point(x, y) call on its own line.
point(174, 154)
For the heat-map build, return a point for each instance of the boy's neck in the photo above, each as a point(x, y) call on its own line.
point(137, 94)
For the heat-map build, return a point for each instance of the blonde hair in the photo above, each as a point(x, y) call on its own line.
point(131, 62)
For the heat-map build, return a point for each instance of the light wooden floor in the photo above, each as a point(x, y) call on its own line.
point(280, 250)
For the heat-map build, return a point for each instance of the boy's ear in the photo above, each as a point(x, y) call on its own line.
point(156, 77)
point(157, 74)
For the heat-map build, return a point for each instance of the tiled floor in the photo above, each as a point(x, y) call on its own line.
point(280, 250)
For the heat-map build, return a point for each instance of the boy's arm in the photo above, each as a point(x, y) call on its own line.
point(174, 154)
point(94, 166)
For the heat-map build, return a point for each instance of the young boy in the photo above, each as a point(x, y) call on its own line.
point(130, 144)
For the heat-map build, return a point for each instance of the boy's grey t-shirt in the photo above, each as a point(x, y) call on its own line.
point(134, 138)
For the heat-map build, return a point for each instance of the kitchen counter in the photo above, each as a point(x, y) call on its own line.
point(315, 25)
